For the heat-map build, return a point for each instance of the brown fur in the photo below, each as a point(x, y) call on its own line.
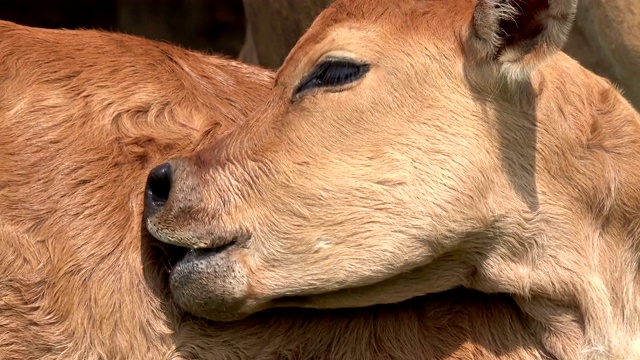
point(84, 115)
point(472, 154)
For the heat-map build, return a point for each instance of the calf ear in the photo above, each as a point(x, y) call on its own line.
point(521, 34)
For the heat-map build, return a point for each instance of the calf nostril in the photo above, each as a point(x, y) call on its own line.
point(158, 187)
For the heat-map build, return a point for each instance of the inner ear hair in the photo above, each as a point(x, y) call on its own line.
point(521, 34)
point(525, 24)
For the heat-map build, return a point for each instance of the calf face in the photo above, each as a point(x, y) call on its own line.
point(398, 137)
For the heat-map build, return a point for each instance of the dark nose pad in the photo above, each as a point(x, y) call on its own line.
point(158, 189)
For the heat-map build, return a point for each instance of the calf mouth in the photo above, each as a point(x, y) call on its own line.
point(174, 254)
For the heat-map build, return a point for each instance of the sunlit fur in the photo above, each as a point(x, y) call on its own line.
point(441, 168)
point(84, 115)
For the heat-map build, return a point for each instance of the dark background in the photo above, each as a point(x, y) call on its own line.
point(208, 25)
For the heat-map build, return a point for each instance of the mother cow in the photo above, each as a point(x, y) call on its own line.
point(84, 116)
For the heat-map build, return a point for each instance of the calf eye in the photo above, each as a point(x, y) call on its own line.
point(332, 73)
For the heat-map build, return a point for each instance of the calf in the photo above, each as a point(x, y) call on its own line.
point(412, 147)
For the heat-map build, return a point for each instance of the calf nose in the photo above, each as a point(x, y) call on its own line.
point(158, 189)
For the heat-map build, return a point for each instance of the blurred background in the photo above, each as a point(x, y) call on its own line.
point(255, 31)
point(208, 25)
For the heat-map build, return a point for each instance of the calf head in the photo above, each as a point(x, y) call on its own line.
point(383, 151)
